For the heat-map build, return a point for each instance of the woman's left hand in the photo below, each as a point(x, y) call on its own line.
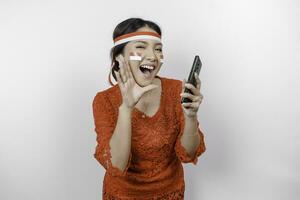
point(190, 109)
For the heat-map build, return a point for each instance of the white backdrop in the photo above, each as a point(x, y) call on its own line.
point(55, 58)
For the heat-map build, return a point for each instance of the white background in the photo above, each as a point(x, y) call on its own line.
point(55, 58)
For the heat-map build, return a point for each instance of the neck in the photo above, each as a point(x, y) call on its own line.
point(146, 98)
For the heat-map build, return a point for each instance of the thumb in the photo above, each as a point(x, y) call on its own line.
point(118, 58)
point(183, 85)
point(149, 87)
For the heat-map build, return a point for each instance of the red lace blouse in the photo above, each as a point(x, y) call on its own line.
point(154, 169)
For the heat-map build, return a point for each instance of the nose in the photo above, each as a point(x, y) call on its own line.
point(150, 56)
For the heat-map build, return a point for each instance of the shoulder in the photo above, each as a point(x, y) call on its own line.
point(172, 84)
point(171, 88)
point(109, 96)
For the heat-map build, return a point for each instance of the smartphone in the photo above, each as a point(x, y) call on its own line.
point(196, 67)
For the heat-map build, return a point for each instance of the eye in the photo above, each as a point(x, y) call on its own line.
point(140, 47)
point(160, 50)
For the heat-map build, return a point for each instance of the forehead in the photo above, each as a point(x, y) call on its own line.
point(145, 41)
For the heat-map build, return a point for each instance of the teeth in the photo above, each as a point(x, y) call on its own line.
point(148, 67)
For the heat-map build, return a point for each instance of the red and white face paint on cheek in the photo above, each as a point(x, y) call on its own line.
point(135, 56)
point(138, 57)
point(161, 59)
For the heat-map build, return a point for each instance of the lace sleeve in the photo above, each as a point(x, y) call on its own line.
point(179, 149)
point(105, 122)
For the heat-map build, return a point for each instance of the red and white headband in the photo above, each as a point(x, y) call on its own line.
point(137, 36)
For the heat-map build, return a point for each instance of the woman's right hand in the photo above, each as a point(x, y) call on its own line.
point(130, 90)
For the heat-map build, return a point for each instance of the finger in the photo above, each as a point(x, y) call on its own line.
point(130, 74)
point(190, 96)
point(186, 105)
point(122, 72)
point(192, 88)
point(119, 58)
point(183, 83)
point(125, 64)
point(198, 81)
point(123, 59)
point(198, 98)
point(127, 72)
point(193, 105)
point(201, 96)
point(119, 79)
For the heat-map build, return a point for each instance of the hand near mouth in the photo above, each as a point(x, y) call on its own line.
point(130, 90)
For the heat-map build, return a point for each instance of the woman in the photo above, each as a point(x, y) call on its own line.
point(144, 133)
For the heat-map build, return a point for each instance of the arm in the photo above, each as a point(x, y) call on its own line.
point(113, 135)
point(120, 142)
point(190, 139)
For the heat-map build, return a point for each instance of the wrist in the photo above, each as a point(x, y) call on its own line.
point(191, 118)
point(125, 108)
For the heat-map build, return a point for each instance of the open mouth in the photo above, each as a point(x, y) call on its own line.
point(147, 69)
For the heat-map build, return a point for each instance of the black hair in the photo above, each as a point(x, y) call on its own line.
point(127, 26)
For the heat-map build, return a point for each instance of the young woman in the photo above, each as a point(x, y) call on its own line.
point(144, 133)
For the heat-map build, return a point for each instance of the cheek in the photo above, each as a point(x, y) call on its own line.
point(134, 56)
point(135, 60)
point(161, 59)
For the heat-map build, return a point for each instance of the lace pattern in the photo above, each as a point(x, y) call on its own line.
point(179, 149)
point(175, 195)
point(156, 152)
point(105, 124)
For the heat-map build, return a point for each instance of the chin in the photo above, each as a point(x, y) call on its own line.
point(145, 81)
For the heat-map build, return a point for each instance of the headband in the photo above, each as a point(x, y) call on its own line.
point(137, 36)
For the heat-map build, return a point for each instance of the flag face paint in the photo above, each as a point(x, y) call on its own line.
point(161, 59)
point(135, 56)
point(138, 57)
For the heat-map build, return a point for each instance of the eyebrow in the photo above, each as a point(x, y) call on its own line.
point(158, 43)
